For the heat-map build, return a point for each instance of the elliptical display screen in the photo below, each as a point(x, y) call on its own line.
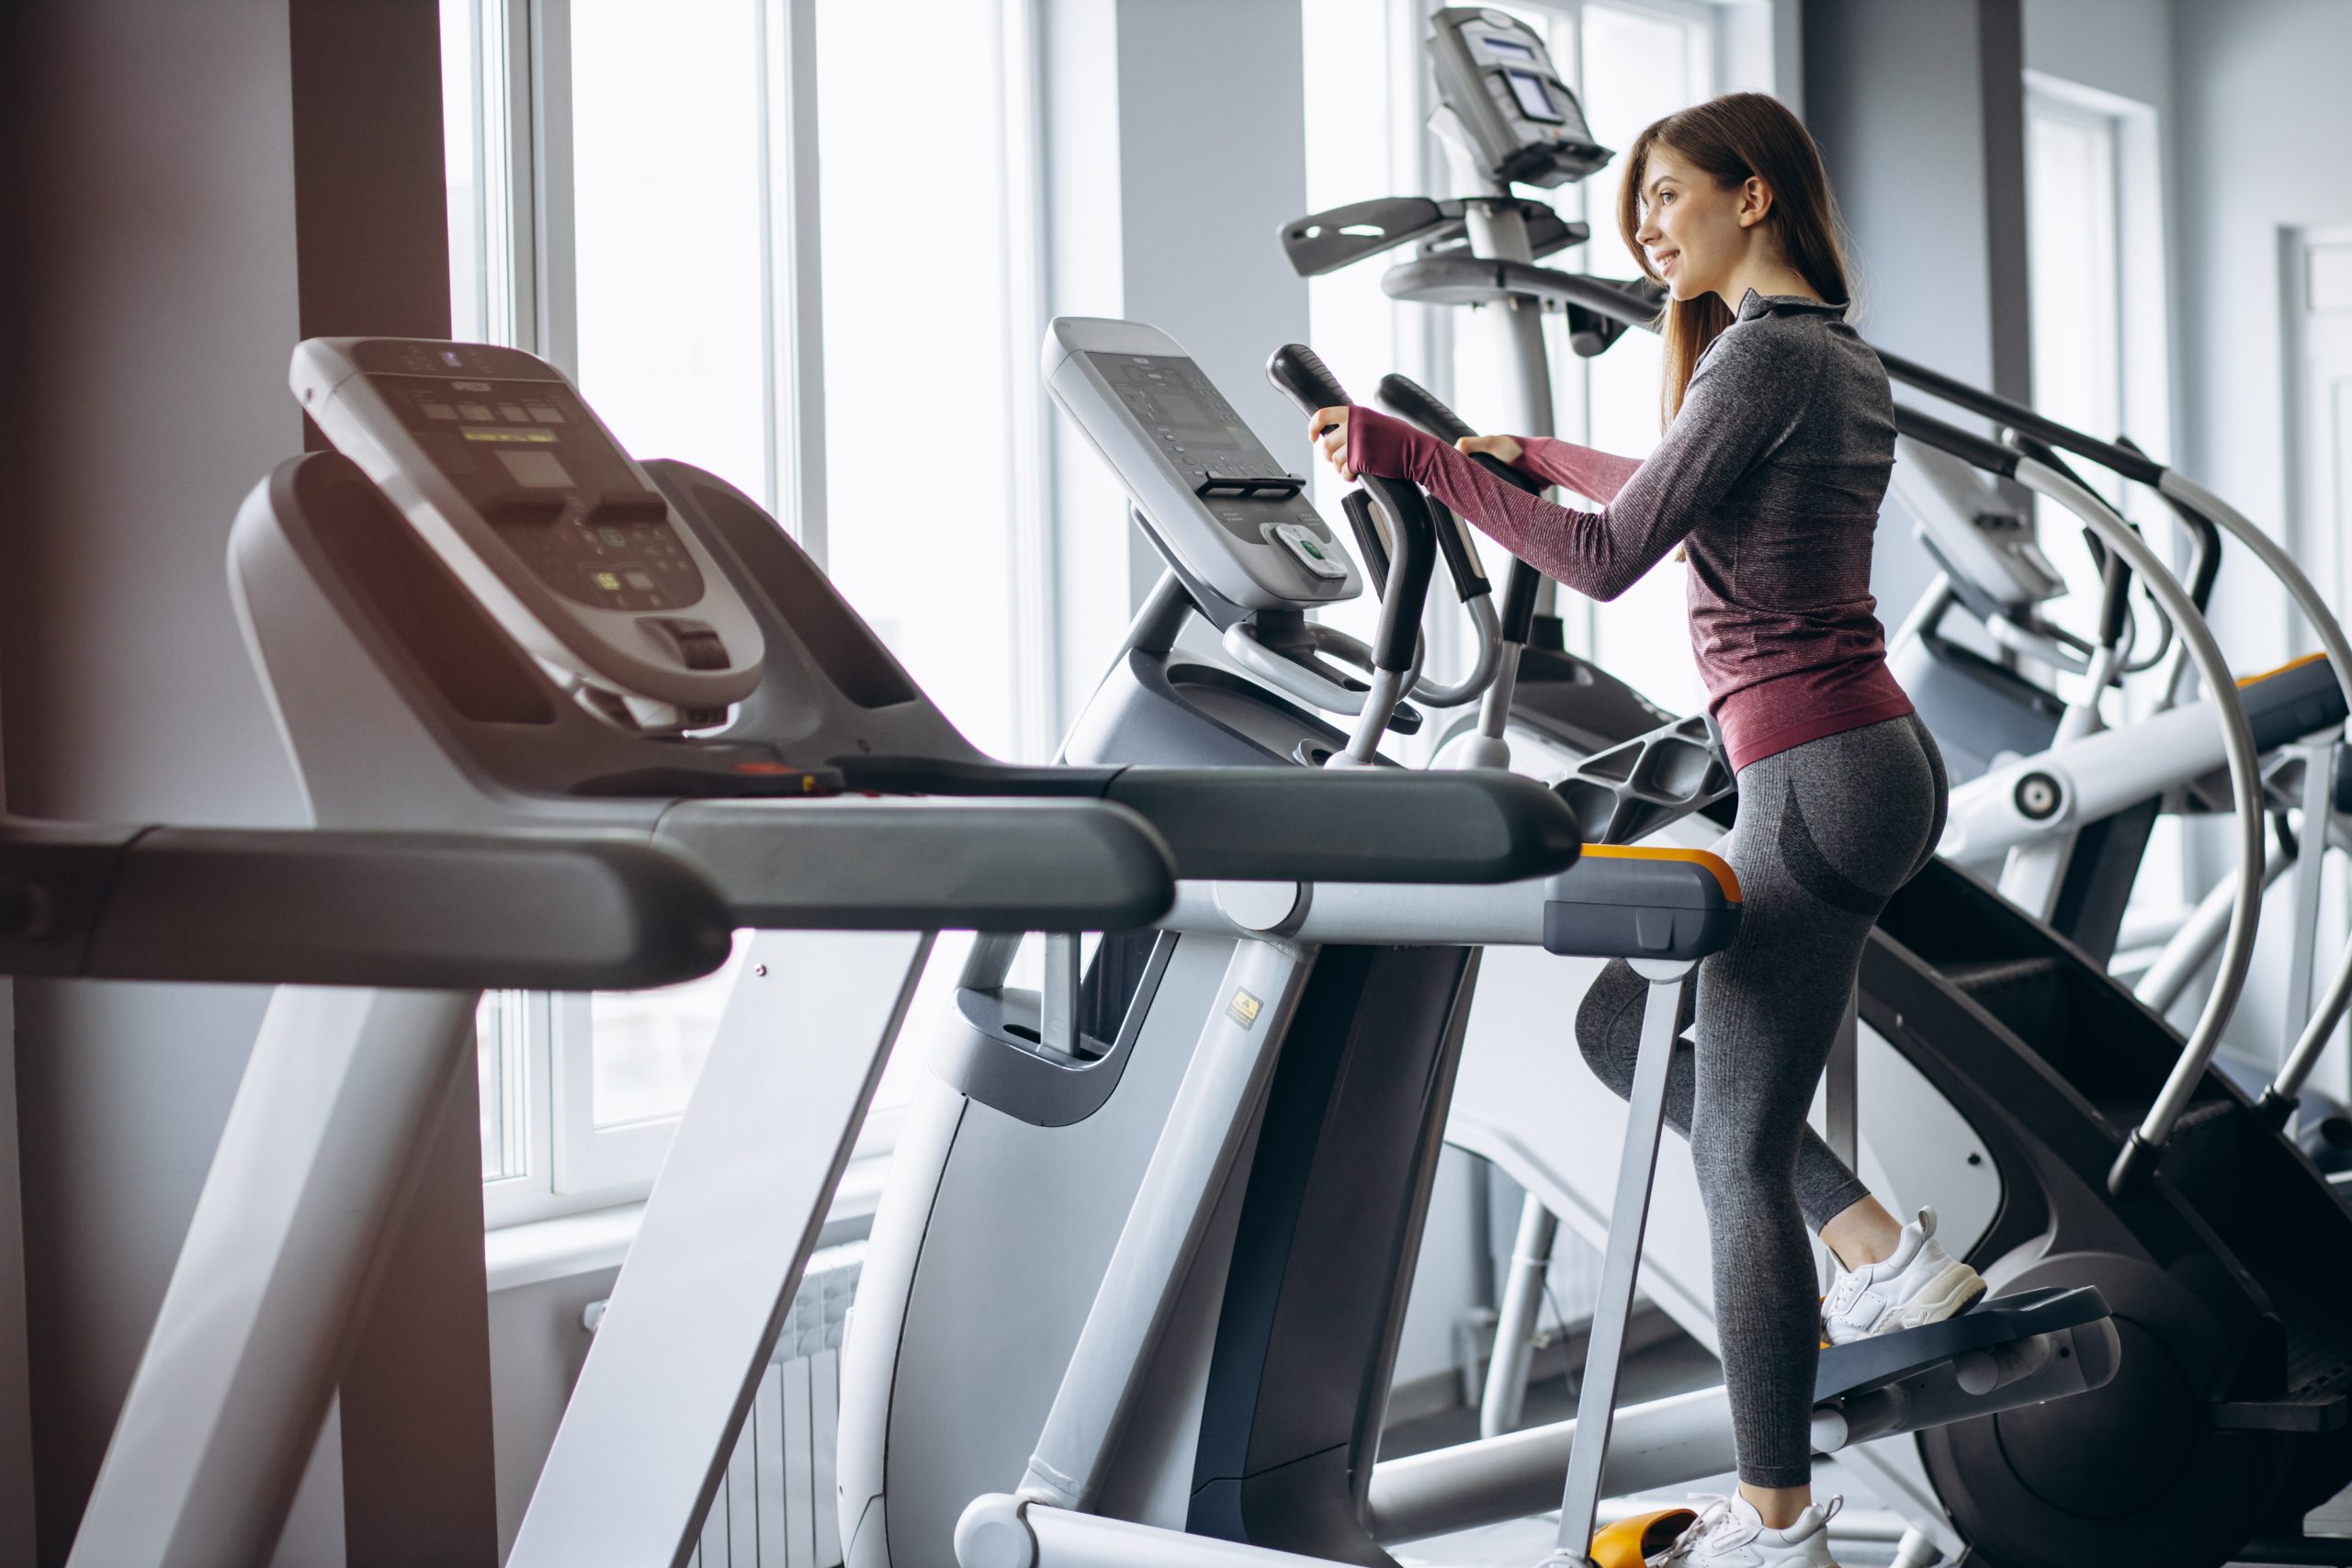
point(563, 497)
point(1215, 454)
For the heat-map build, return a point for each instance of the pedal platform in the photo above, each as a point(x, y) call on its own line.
point(1846, 1370)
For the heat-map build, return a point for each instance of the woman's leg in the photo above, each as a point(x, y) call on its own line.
point(1827, 832)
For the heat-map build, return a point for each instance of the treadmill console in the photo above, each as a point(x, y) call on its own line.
point(1216, 501)
point(1976, 534)
point(1517, 116)
point(513, 481)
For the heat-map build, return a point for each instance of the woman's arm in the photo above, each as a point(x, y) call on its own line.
point(1744, 400)
point(1584, 469)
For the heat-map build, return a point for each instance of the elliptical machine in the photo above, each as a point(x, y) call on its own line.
point(1968, 1009)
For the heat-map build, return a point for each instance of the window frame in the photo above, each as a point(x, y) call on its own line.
point(518, 54)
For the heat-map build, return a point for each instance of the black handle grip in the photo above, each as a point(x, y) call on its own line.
point(1460, 554)
point(1357, 507)
point(1300, 375)
point(2204, 542)
point(1409, 400)
point(1520, 588)
point(1299, 372)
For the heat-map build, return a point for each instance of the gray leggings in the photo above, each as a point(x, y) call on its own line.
point(1826, 832)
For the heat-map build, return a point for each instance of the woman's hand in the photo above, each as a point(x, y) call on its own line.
point(1504, 447)
point(1329, 428)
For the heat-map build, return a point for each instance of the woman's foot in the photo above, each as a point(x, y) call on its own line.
point(1731, 1534)
point(1919, 1284)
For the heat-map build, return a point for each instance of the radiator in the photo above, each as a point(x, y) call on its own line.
point(775, 1509)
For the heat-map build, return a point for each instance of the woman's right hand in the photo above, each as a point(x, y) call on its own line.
point(1503, 447)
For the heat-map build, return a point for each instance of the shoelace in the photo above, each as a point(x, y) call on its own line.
point(1716, 1510)
point(1713, 1510)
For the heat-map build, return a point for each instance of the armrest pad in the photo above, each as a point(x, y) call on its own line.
point(1629, 902)
point(1386, 824)
point(449, 911)
point(1002, 865)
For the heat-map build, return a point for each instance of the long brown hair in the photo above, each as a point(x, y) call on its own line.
point(1730, 139)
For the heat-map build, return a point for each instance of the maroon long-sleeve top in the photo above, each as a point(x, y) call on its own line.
point(1771, 475)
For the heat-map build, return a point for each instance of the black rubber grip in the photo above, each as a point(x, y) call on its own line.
point(1399, 632)
point(1460, 556)
point(998, 865)
point(1300, 375)
point(1378, 824)
point(1521, 585)
point(1356, 507)
point(1411, 402)
point(447, 912)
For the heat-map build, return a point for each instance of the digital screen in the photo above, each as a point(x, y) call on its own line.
point(536, 470)
point(1534, 99)
point(1511, 47)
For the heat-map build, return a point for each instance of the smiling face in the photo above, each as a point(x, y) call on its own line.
point(1696, 233)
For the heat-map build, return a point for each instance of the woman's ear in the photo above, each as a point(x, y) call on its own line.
point(1755, 201)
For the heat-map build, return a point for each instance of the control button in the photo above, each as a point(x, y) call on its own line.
point(438, 410)
point(612, 537)
point(1313, 554)
point(511, 413)
point(545, 414)
point(477, 411)
point(698, 646)
point(641, 581)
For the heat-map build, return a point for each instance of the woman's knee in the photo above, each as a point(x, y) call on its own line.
point(1608, 1023)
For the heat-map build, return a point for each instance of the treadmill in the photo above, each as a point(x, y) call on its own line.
point(480, 611)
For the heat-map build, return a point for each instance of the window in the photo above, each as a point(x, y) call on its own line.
point(781, 282)
point(2095, 259)
point(1630, 61)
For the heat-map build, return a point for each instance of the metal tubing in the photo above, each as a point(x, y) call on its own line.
point(1507, 914)
point(304, 1195)
point(653, 1418)
point(1515, 1318)
point(2319, 822)
point(1665, 1443)
point(1057, 998)
point(1198, 1147)
point(2193, 944)
point(1621, 1265)
point(2246, 781)
point(1486, 636)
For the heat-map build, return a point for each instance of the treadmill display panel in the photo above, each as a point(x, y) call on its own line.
point(561, 496)
point(1216, 456)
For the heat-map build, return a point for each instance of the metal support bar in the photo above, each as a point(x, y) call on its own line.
point(1058, 998)
point(2310, 869)
point(1621, 1267)
point(1515, 1318)
point(1198, 1147)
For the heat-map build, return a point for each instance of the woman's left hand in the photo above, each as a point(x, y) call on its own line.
point(1329, 429)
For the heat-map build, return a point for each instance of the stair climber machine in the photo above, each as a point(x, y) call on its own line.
point(479, 612)
point(2036, 1099)
point(1185, 1355)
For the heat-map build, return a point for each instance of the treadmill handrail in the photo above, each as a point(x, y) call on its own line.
point(444, 911)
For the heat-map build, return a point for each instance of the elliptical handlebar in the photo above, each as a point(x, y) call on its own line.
point(1415, 403)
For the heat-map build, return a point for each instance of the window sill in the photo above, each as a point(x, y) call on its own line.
point(536, 1251)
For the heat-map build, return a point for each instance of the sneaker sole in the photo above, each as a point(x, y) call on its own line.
point(1953, 1291)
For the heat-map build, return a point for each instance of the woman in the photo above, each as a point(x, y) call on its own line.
point(1780, 440)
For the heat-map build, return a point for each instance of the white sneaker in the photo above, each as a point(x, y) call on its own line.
point(1731, 1534)
point(1920, 1285)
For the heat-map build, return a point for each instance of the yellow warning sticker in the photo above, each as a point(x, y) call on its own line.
point(1243, 1008)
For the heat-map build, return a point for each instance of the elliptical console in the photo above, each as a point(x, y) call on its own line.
point(519, 488)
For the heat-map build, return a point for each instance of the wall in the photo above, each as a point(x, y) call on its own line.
point(150, 324)
point(2261, 119)
point(1918, 109)
point(165, 179)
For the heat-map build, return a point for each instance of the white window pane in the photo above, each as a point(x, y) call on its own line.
point(459, 152)
point(666, 223)
point(650, 1045)
point(2071, 234)
point(501, 1045)
point(1350, 323)
point(918, 361)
